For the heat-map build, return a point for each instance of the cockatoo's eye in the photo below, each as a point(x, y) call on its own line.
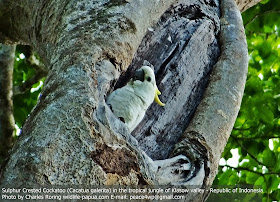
point(149, 79)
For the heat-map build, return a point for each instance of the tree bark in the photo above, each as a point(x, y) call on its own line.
point(72, 137)
point(7, 122)
point(85, 46)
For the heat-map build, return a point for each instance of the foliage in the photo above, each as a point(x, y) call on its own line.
point(24, 102)
point(257, 128)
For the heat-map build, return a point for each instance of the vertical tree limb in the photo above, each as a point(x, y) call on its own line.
point(207, 134)
point(7, 122)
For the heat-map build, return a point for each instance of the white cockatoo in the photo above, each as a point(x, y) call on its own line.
point(130, 102)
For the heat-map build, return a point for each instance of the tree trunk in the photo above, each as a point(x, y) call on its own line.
point(72, 137)
point(7, 122)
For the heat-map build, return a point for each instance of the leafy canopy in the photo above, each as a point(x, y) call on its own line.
point(23, 72)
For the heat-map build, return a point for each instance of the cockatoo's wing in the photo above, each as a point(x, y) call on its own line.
point(126, 105)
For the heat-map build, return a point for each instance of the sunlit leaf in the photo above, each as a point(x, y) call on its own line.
point(251, 178)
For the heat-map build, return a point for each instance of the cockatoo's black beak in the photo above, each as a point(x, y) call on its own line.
point(138, 75)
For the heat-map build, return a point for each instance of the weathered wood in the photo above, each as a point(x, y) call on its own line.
point(183, 48)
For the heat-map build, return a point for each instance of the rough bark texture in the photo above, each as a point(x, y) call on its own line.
point(86, 46)
point(72, 137)
point(7, 122)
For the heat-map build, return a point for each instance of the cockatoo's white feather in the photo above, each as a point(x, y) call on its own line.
point(130, 102)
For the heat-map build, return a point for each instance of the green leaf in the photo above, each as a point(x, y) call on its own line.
point(266, 114)
point(274, 184)
point(254, 147)
point(251, 178)
point(233, 179)
point(268, 158)
point(264, 1)
point(259, 181)
point(223, 178)
point(254, 85)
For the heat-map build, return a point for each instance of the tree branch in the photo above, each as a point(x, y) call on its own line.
point(252, 171)
point(7, 122)
point(254, 137)
point(260, 14)
point(251, 155)
point(215, 116)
